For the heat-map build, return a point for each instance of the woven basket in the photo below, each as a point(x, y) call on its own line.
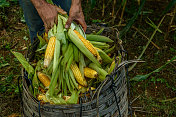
point(112, 101)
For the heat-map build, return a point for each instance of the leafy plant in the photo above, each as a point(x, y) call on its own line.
point(4, 3)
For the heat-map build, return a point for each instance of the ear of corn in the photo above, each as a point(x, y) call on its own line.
point(49, 54)
point(64, 47)
point(75, 39)
point(88, 45)
point(90, 73)
point(82, 64)
point(60, 31)
point(67, 55)
point(72, 78)
point(80, 79)
point(110, 49)
point(56, 54)
point(75, 52)
point(98, 38)
point(106, 59)
point(101, 72)
point(69, 62)
point(54, 78)
point(44, 79)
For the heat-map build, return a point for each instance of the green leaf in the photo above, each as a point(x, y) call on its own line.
point(60, 35)
point(4, 65)
point(24, 63)
point(42, 41)
point(93, 3)
point(100, 31)
point(140, 77)
point(143, 77)
point(74, 97)
point(153, 25)
point(50, 1)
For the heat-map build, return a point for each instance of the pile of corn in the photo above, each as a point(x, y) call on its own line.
point(70, 63)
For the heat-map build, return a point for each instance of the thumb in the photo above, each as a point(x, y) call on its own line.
point(68, 23)
point(61, 11)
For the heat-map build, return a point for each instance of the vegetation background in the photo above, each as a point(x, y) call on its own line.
point(148, 31)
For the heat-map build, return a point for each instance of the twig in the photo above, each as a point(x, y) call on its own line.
point(145, 36)
point(135, 99)
point(147, 43)
point(103, 8)
point(168, 29)
point(113, 8)
point(136, 107)
point(142, 111)
point(113, 19)
point(168, 100)
point(121, 17)
point(173, 65)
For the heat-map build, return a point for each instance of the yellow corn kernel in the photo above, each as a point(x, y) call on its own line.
point(49, 54)
point(88, 45)
point(44, 79)
point(79, 78)
point(90, 73)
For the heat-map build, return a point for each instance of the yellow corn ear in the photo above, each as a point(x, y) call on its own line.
point(79, 78)
point(88, 45)
point(44, 79)
point(90, 73)
point(49, 54)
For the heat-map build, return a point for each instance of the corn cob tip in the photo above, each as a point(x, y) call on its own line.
point(100, 61)
point(46, 63)
point(96, 75)
point(90, 73)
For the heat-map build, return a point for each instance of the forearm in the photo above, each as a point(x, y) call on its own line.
point(38, 3)
point(76, 2)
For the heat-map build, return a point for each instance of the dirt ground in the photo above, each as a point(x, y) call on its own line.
point(154, 97)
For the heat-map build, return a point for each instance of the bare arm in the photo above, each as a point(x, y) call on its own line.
point(76, 14)
point(47, 12)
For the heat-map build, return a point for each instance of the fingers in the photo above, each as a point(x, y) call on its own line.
point(83, 24)
point(60, 10)
point(68, 23)
point(48, 25)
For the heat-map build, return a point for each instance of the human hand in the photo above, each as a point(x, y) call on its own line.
point(48, 14)
point(76, 14)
